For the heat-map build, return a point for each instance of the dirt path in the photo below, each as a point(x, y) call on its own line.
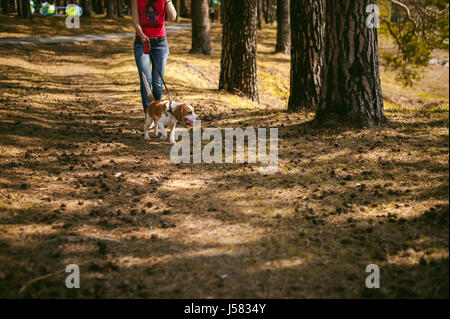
point(173, 28)
point(79, 185)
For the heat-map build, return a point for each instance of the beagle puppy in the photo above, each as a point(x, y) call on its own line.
point(162, 114)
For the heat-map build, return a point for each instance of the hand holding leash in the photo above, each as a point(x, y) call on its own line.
point(146, 47)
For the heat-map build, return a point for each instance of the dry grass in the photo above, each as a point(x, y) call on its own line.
point(344, 198)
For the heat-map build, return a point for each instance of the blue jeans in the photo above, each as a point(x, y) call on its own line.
point(160, 53)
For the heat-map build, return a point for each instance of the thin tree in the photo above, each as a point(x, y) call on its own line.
point(98, 7)
point(26, 9)
point(238, 60)
point(201, 41)
point(306, 54)
point(5, 6)
point(110, 4)
point(86, 4)
point(260, 13)
point(283, 27)
point(351, 90)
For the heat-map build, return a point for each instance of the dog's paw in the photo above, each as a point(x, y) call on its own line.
point(147, 138)
point(163, 137)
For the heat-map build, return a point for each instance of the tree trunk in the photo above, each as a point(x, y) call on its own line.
point(98, 7)
point(284, 27)
point(238, 61)
point(5, 6)
point(351, 90)
point(201, 41)
point(110, 8)
point(259, 8)
point(119, 8)
point(306, 55)
point(86, 4)
point(19, 8)
point(26, 9)
point(222, 11)
point(184, 9)
point(265, 10)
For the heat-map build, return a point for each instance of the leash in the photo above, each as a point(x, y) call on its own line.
point(162, 78)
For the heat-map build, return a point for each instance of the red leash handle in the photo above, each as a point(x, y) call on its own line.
point(146, 48)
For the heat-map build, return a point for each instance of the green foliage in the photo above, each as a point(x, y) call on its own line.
point(418, 27)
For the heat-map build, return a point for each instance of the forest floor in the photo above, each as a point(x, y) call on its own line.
point(80, 185)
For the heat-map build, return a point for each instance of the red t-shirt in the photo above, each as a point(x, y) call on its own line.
point(151, 18)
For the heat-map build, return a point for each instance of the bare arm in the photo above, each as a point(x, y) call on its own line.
point(135, 14)
point(170, 11)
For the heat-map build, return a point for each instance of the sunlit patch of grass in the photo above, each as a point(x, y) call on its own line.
point(275, 85)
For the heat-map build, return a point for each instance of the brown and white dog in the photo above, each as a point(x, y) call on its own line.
point(162, 114)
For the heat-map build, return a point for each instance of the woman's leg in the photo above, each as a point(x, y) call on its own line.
point(160, 53)
point(143, 65)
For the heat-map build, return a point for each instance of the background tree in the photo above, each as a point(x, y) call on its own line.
point(283, 27)
point(98, 7)
point(86, 4)
point(351, 90)
point(25, 9)
point(5, 6)
point(268, 11)
point(238, 60)
point(260, 13)
point(418, 27)
point(307, 18)
point(201, 41)
point(110, 4)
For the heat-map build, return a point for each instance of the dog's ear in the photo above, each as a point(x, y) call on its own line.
point(178, 113)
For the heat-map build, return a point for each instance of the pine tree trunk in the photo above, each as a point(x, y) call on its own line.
point(306, 55)
point(119, 8)
point(259, 8)
point(26, 9)
point(351, 90)
point(86, 4)
point(184, 9)
point(110, 9)
point(266, 9)
point(238, 62)
point(201, 41)
point(283, 27)
point(19, 8)
point(5, 6)
point(98, 7)
point(222, 11)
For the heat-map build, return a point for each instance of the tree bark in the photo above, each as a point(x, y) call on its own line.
point(283, 27)
point(5, 6)
point(19, 8)
point(260, 14)
point(26, 9)
point(306, 55)
point(238, 61)
point(98, 7)
point(119, 8)
point(351, 90)
point(201, 41)
point(86, 4)
point(110, 8)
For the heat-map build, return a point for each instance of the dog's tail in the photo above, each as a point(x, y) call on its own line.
point(147, 87)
